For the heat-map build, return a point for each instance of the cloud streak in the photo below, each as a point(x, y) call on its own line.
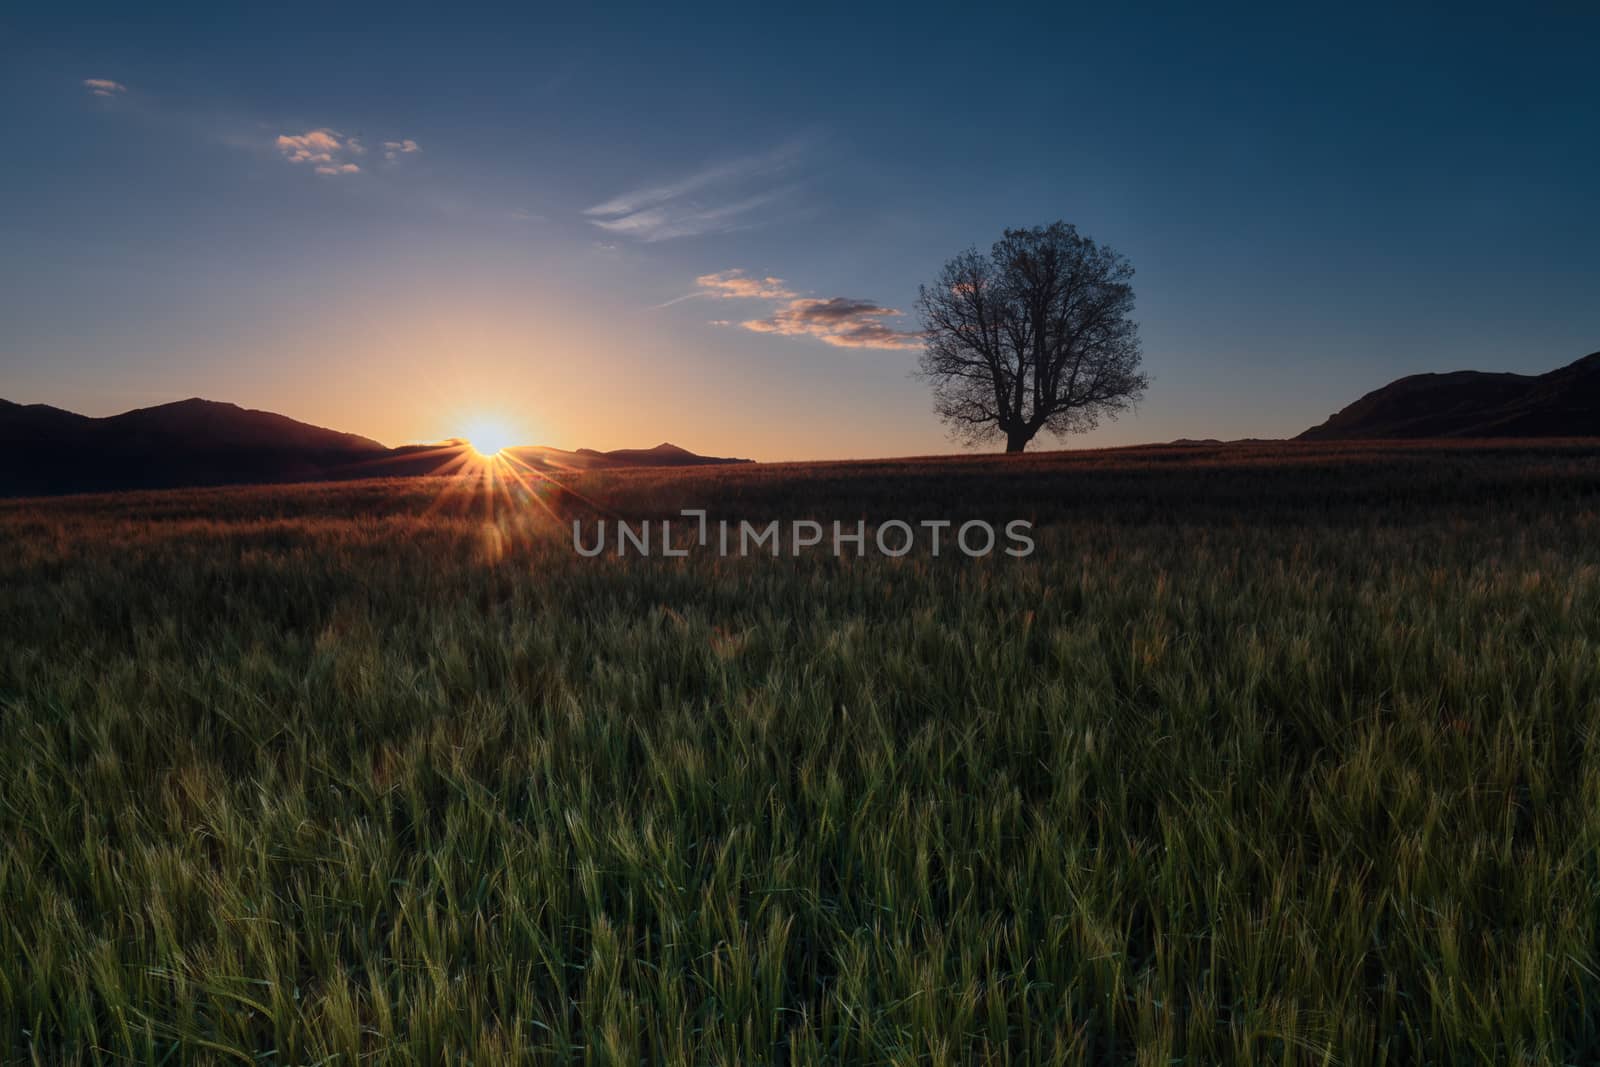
point(717, 199)
point(104, 87)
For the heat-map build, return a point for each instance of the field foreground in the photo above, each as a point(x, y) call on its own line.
point(1268, 753)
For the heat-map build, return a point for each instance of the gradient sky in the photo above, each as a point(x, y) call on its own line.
point(401, 222)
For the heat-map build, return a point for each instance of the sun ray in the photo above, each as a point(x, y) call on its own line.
point(514, 491)
point(560, 486)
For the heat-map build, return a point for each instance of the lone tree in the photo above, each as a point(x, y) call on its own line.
point(1034, 336)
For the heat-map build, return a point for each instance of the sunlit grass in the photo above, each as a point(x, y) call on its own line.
point(383, 772)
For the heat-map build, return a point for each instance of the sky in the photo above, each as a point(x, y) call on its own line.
point(607, 226)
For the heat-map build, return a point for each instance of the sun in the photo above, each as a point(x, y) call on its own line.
point(488, 438)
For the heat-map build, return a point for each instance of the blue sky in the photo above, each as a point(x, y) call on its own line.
point(603, 227)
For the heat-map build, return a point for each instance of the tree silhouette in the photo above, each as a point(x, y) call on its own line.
point(1035, 336)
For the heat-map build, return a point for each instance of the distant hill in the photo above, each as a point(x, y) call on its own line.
point(203, 442)
point(662, 455)
point(190, 442)
point(1563, 403)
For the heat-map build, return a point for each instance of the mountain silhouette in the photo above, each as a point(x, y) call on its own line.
point(199, 442)
point(665, 454)
point(211, 424)
point(1563, 403)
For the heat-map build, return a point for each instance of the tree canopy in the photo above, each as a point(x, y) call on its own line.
point(1037, 335)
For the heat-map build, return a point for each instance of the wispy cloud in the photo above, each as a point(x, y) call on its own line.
point(841, 321)
point(104, 87)
point(393, 150)
point(717, 199)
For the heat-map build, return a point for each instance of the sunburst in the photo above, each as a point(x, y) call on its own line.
point(515, 491)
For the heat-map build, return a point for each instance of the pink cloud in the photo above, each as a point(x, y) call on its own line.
point(313, 146)
point(840, 321)
point(734, 285)
point(104, 87)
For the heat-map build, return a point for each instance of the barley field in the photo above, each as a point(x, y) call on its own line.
point(1267, 754)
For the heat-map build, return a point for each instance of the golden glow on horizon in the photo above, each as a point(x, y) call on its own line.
point(423, 363)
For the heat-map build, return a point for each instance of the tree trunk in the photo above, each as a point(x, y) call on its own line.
point(1017, 440)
